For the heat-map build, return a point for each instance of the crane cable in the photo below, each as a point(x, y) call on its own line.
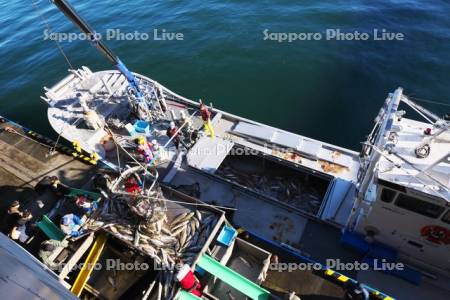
point(47, 25)
point(429, 101)
point(58, 45)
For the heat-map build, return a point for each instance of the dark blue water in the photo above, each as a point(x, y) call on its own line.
point(327, 89)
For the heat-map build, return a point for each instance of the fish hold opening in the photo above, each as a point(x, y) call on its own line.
point(274, 179)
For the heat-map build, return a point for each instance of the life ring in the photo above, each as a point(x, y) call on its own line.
point(436, 234)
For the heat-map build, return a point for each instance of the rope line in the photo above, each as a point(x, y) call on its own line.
point(53, 149)
point(13, 131)
point(46, 24)
point(175, 201)
point(430, 101)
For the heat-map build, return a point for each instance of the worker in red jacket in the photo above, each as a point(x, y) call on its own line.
point(206, 117)
point(175, 135)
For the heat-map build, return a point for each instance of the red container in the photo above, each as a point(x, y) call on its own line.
point(188, 281)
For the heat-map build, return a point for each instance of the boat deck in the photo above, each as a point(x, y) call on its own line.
point(108, 89)
point(25, 162)
point(310, 236)
point(266, 219)
point(316, 235)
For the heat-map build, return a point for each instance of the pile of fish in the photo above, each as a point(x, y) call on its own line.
point(143, 221)
point(292, 190)
point(167, 242)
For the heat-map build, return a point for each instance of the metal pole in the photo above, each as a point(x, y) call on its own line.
point(72, 14)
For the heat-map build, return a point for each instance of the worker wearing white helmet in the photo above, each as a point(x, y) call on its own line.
point(172, 133)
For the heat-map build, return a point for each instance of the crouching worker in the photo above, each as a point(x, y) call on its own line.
point(70, 225)
point(175, 135)
point(46, 250)
point(18, 230)
point(51, 183)
point(13, 214)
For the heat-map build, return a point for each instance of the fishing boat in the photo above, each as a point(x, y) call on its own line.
point(295, 195)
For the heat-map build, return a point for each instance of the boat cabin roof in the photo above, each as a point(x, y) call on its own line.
point(401, 165)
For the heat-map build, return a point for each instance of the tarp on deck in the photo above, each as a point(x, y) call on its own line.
point(208, 154)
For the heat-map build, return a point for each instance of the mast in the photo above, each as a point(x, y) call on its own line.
point(375, 143)
point(71, 13)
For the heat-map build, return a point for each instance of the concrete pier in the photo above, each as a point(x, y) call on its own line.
point(24, 162)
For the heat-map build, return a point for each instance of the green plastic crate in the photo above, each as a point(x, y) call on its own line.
point(50, 229)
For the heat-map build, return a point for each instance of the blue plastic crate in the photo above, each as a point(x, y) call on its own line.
point(141, 127)
point(227, 235)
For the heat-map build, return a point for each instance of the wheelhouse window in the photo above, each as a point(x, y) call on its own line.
point(419, 206)
point(387, 195)
point(446, 217)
